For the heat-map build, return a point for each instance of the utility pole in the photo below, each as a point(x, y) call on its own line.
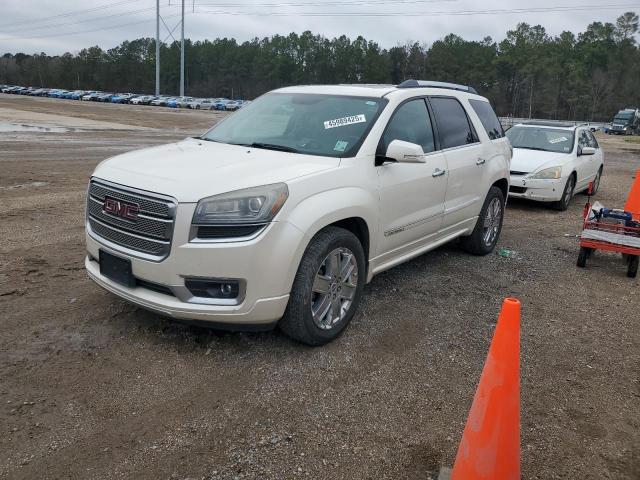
point(182, 54)
point(157, 47)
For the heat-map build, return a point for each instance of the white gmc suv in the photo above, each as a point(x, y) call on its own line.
point(284, 210)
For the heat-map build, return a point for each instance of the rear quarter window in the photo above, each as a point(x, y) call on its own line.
point(454, 127)
point(488, 118)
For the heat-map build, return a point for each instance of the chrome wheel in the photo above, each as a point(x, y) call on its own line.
point(492, 222)
point(334, 288)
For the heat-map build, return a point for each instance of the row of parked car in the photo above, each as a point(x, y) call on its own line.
point(131, 98)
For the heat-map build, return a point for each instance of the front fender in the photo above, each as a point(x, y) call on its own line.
point(322, 209)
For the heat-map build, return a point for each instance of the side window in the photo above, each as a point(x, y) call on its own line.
point(488, 118)
point(583, 139)
point(411, 123)
point(592, 139)
point(454, 127)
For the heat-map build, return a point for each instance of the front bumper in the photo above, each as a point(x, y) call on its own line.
point(539, 190)
point(266, 265)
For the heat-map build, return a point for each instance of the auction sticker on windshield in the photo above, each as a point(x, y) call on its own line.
point(341, 122)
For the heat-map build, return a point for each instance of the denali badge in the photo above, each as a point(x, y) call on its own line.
point(120, 208)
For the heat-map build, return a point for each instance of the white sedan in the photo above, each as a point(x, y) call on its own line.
point(552, 162)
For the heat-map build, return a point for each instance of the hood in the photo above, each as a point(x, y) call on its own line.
point(528, 161)
point(193, 169)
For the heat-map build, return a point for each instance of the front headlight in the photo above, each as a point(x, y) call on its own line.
point(547, 174)
point(257, 205)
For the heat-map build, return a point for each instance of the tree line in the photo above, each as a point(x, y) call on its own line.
point(588, 76)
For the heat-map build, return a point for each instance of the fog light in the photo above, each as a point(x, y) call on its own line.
point(214, 288)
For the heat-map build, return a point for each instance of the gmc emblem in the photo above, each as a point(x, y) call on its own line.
point(120, 209)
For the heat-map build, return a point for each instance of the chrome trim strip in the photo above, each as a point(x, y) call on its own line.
point(134, 191)
point(193, 234)
point(125, 232)
point(117, 248)
point(402, 228)
point(185, 295)
point(461, 206)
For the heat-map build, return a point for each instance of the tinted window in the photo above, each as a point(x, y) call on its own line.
point(410, 123)
point(488, 118)
point(453, 124)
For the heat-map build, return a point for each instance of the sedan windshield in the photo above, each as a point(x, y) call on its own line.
point(327, 125)
point(540, 138)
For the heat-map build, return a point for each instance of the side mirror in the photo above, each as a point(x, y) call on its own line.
point(405, 152)
point(587, 151)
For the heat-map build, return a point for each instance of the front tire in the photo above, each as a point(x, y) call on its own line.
point(327, 288)
point(567, 194)
point(485, 235)
point(596, 182)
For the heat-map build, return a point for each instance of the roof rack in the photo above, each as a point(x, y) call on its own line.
point(430, 84)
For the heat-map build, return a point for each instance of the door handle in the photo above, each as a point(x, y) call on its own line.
point(480, 161)
point(438, 173)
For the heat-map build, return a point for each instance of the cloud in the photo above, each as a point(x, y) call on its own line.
point(46, 26)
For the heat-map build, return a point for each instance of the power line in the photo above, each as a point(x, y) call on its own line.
point(420, 14)
point(69, 14)
point(16, 27)
point(111, 27)
point(79, 22)
point(566, 8)
point(318, 3)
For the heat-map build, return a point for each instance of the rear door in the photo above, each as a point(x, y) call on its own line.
point(411, 194)
point(465, 158)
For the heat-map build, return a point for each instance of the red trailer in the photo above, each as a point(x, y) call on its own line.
point(613, 230)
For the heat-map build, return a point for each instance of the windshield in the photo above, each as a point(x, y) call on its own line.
point(623, 118)
point(327, 125)
point(540, 138)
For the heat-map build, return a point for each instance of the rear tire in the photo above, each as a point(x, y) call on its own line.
point(567, 194)
point(327, 288)
point(582, 257)
point(486, 233)
point(632, 269)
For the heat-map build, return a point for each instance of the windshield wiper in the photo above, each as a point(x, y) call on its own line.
point(273, 146)
point(535, 148)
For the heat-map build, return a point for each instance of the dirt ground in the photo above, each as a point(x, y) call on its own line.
point(92, 387)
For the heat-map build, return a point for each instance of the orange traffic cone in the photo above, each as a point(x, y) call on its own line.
point(633, 199)
point(490, 446)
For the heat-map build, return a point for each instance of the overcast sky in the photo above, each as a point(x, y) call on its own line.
point(57, 26)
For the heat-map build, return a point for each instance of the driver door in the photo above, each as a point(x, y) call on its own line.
point(411, 194)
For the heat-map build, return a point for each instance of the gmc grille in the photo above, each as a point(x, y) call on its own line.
point(150, 234)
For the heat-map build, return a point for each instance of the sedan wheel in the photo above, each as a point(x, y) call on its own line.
point(567, 194)
point(596, 182)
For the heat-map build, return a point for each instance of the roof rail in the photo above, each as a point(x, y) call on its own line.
point(430, 84)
